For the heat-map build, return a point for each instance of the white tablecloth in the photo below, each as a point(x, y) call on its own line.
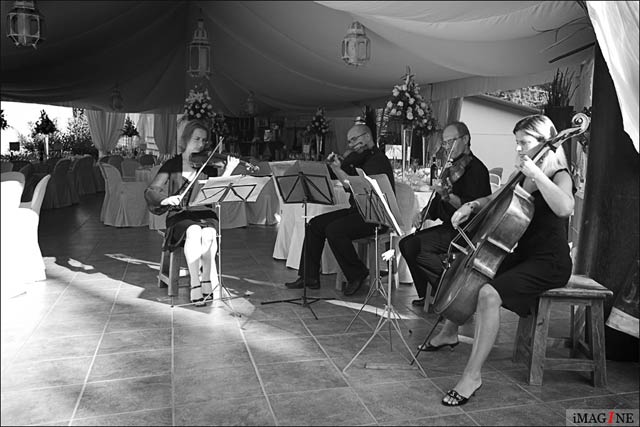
point(288, 245)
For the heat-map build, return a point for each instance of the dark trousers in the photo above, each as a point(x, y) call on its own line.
point(339, 228)
point(424, 252)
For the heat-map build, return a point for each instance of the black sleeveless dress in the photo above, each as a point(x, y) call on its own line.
point(541, 261)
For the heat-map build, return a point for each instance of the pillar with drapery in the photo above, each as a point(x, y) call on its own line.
point(105, 128)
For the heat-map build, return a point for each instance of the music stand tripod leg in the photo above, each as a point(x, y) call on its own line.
point(303, 301)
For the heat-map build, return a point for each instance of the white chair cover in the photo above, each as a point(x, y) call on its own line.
point(13, 176)
point(128, 168)
point(58, 192)
point(85, 182)
point(21, 256)
point(408, 206)
point(124, 204)
point(98, 179)
point(72, 176)
point(38, 196)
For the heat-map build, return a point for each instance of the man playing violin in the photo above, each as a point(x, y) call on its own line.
point(343, 226)
point(463, 179)
point(194, 227)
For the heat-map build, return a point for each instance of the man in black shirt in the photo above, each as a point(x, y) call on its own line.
point(343, 226)
point(424, 250)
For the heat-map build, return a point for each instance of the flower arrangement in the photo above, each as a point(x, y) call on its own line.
point(198, 107)
point(3, 121)
point(319, 124)
point(45, 126)
point(129, 130)
point(428, 124)
point(220, 127)
point(406, 103)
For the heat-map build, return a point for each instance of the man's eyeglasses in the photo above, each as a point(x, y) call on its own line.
point(353, 139)
point(451, 141)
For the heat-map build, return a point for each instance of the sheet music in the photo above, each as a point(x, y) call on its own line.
point(386, 197)
point(305, 181)
point(232, 188)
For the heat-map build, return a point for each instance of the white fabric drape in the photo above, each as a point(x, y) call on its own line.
point(165, 134)
point(105, 128)
point(610, 20)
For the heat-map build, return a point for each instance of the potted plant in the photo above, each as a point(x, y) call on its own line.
point(45, 127)
point(559, 94)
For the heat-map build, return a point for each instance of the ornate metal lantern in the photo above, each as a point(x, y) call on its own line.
point(117, 103)
point(199, 51)
point(356, 46)
point(25, 26)
point(250, 106)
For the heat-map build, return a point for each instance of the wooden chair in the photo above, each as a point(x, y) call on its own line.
point(586, 336)
point(169, 273)
point(367, 251)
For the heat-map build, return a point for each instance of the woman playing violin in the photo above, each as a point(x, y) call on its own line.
point(540, 261)
point(465, 178)
point(193, 227)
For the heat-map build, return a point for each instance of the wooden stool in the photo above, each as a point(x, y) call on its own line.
point(366, 251)
point(169, 273)
point(587, 332)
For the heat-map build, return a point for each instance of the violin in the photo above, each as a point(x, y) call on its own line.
point(216, 159)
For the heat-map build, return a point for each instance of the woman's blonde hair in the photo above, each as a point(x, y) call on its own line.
point(187, 132)
point(541, 128)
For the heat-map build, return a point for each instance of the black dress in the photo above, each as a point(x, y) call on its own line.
point(541, 261)
point(178, 221)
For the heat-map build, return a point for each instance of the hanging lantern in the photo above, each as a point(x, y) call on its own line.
point(356, 46)
point(250, 107)
point(117, 103)
point(199, 50)
point(25, 26)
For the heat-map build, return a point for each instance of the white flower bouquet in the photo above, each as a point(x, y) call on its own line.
point(198, 107)
point(407, 104)
point(319, 124)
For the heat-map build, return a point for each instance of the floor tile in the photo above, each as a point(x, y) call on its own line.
point(49, 373)
point(526, 415)
point(221, 355)
point(153, 417)
point(285, 350)
point(332, 407)
point(36, 349)
point(145, 339)
point(252, 411)
point(116, 396)
point(39, 406)
point(224, 383)
point(300, 376)
point(133, 364)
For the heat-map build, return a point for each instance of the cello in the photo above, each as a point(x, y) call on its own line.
point(476, 253)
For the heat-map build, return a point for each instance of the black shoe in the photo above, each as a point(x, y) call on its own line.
point(429, 347)
point(418, 302)
point(299, 283)
point(353, 286)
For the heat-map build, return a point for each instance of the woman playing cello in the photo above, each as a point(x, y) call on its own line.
point(540, 261)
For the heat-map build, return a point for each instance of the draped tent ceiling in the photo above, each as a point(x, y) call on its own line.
point(287, 53)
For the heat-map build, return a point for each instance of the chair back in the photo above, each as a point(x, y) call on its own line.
point(116, 160)
point(6, 167)
point(19, 164)
point(61, 169)
point(13, 176)
point(407, 204)
point(10, 194)
point(494, 179)
point(84, 180)
point(38, 194)
point(27, 171)
point(129, 167)
point(51, 163)
point(147, 160)
point(112, 178)
point(104, 159)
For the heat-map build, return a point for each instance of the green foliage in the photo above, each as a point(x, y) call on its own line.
point(129, 129)
point(45, 126)
point(3, 121)
point(77, 138)
point(560, 90)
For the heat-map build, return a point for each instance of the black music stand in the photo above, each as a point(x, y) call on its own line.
point(224, 190)
point(305, 182)
point(373, 204)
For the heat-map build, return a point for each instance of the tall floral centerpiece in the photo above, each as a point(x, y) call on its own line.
point(129, 131)
point(425, 128)
point(3, 121)
point(318, 127)
point(409, 108)
point(45, 127)
point(198, 106)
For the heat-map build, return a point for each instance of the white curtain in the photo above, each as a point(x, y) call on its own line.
point(142, 129)
point(105, 128)
point(616, 27)
point(165, 134)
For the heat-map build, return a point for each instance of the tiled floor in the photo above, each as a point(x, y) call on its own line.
point(98, 343)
